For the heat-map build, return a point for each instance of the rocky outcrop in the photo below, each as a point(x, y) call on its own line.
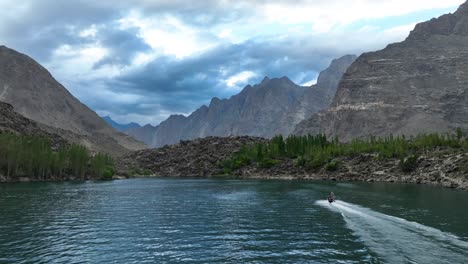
point(197, 158)
point(270, 108)
point(417, 86)
point(35, 94)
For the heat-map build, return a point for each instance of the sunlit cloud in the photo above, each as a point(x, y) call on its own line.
point(168, 34)
point(240, 78)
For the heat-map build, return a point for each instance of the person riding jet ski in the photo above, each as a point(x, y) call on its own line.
point(331, 197)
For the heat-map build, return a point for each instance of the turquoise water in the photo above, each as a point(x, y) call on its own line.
point(231, 221)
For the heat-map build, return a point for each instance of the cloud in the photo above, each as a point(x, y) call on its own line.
point(124, 45)
point(142, 60)
point(241, 77)
point(169, 35)
point(325, 15)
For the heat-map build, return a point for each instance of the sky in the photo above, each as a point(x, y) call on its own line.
point(143, 60)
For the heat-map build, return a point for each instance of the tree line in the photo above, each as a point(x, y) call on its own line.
point(317, 151)
point(36, 157)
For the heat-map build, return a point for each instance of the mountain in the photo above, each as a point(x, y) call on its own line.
point(12, 122)
point(35, 94)
point(267, 109)
point(120, 127)
point(417, 86)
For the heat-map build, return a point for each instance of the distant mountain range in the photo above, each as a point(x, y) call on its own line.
point(119, 127)
point(417, 86)
point(267, 109)
point(36, 95)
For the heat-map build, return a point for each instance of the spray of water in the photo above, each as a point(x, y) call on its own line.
point(397, 240)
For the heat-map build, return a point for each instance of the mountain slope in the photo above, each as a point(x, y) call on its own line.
point(119, 127)
point(417, 86)
point(272, 107)
point(35, 94)
point(12, 122)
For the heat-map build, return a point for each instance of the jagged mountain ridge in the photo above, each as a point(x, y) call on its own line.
point(35, 94)
point(119, 127)
point(417, 86)
point(270, 108)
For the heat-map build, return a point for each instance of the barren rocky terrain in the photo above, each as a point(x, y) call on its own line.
point(203, 158)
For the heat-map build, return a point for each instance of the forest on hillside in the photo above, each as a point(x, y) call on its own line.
point(35, 157)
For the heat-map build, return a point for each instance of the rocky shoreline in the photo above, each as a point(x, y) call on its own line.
point(448, 171)
point(201, 158)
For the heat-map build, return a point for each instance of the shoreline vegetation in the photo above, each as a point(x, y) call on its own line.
point(437, 159)
point(315, 152)
point(36, 158)
point(434, 159)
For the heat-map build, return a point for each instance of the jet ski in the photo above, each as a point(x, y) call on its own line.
point(331, 197)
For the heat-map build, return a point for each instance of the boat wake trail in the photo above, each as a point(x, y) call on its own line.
point(397, 240)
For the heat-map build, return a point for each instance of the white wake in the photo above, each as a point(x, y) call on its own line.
point(397, 240)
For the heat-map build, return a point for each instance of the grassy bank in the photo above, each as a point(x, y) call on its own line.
point(36, 158)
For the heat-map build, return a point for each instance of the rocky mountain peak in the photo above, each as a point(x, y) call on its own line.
point(215, 101)
point(463, 9)
point(176, 117)
point(276, 83)
point(342, 62)
point(286, 80)
point(265, 79)
point(202, 109)
point(449, 24)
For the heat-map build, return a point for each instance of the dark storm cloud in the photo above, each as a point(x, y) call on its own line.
point(40, 27)
point(122, 45)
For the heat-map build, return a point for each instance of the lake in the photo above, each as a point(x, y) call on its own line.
point(231, 221)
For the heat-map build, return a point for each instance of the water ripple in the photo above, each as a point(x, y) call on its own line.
point(174, 221)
